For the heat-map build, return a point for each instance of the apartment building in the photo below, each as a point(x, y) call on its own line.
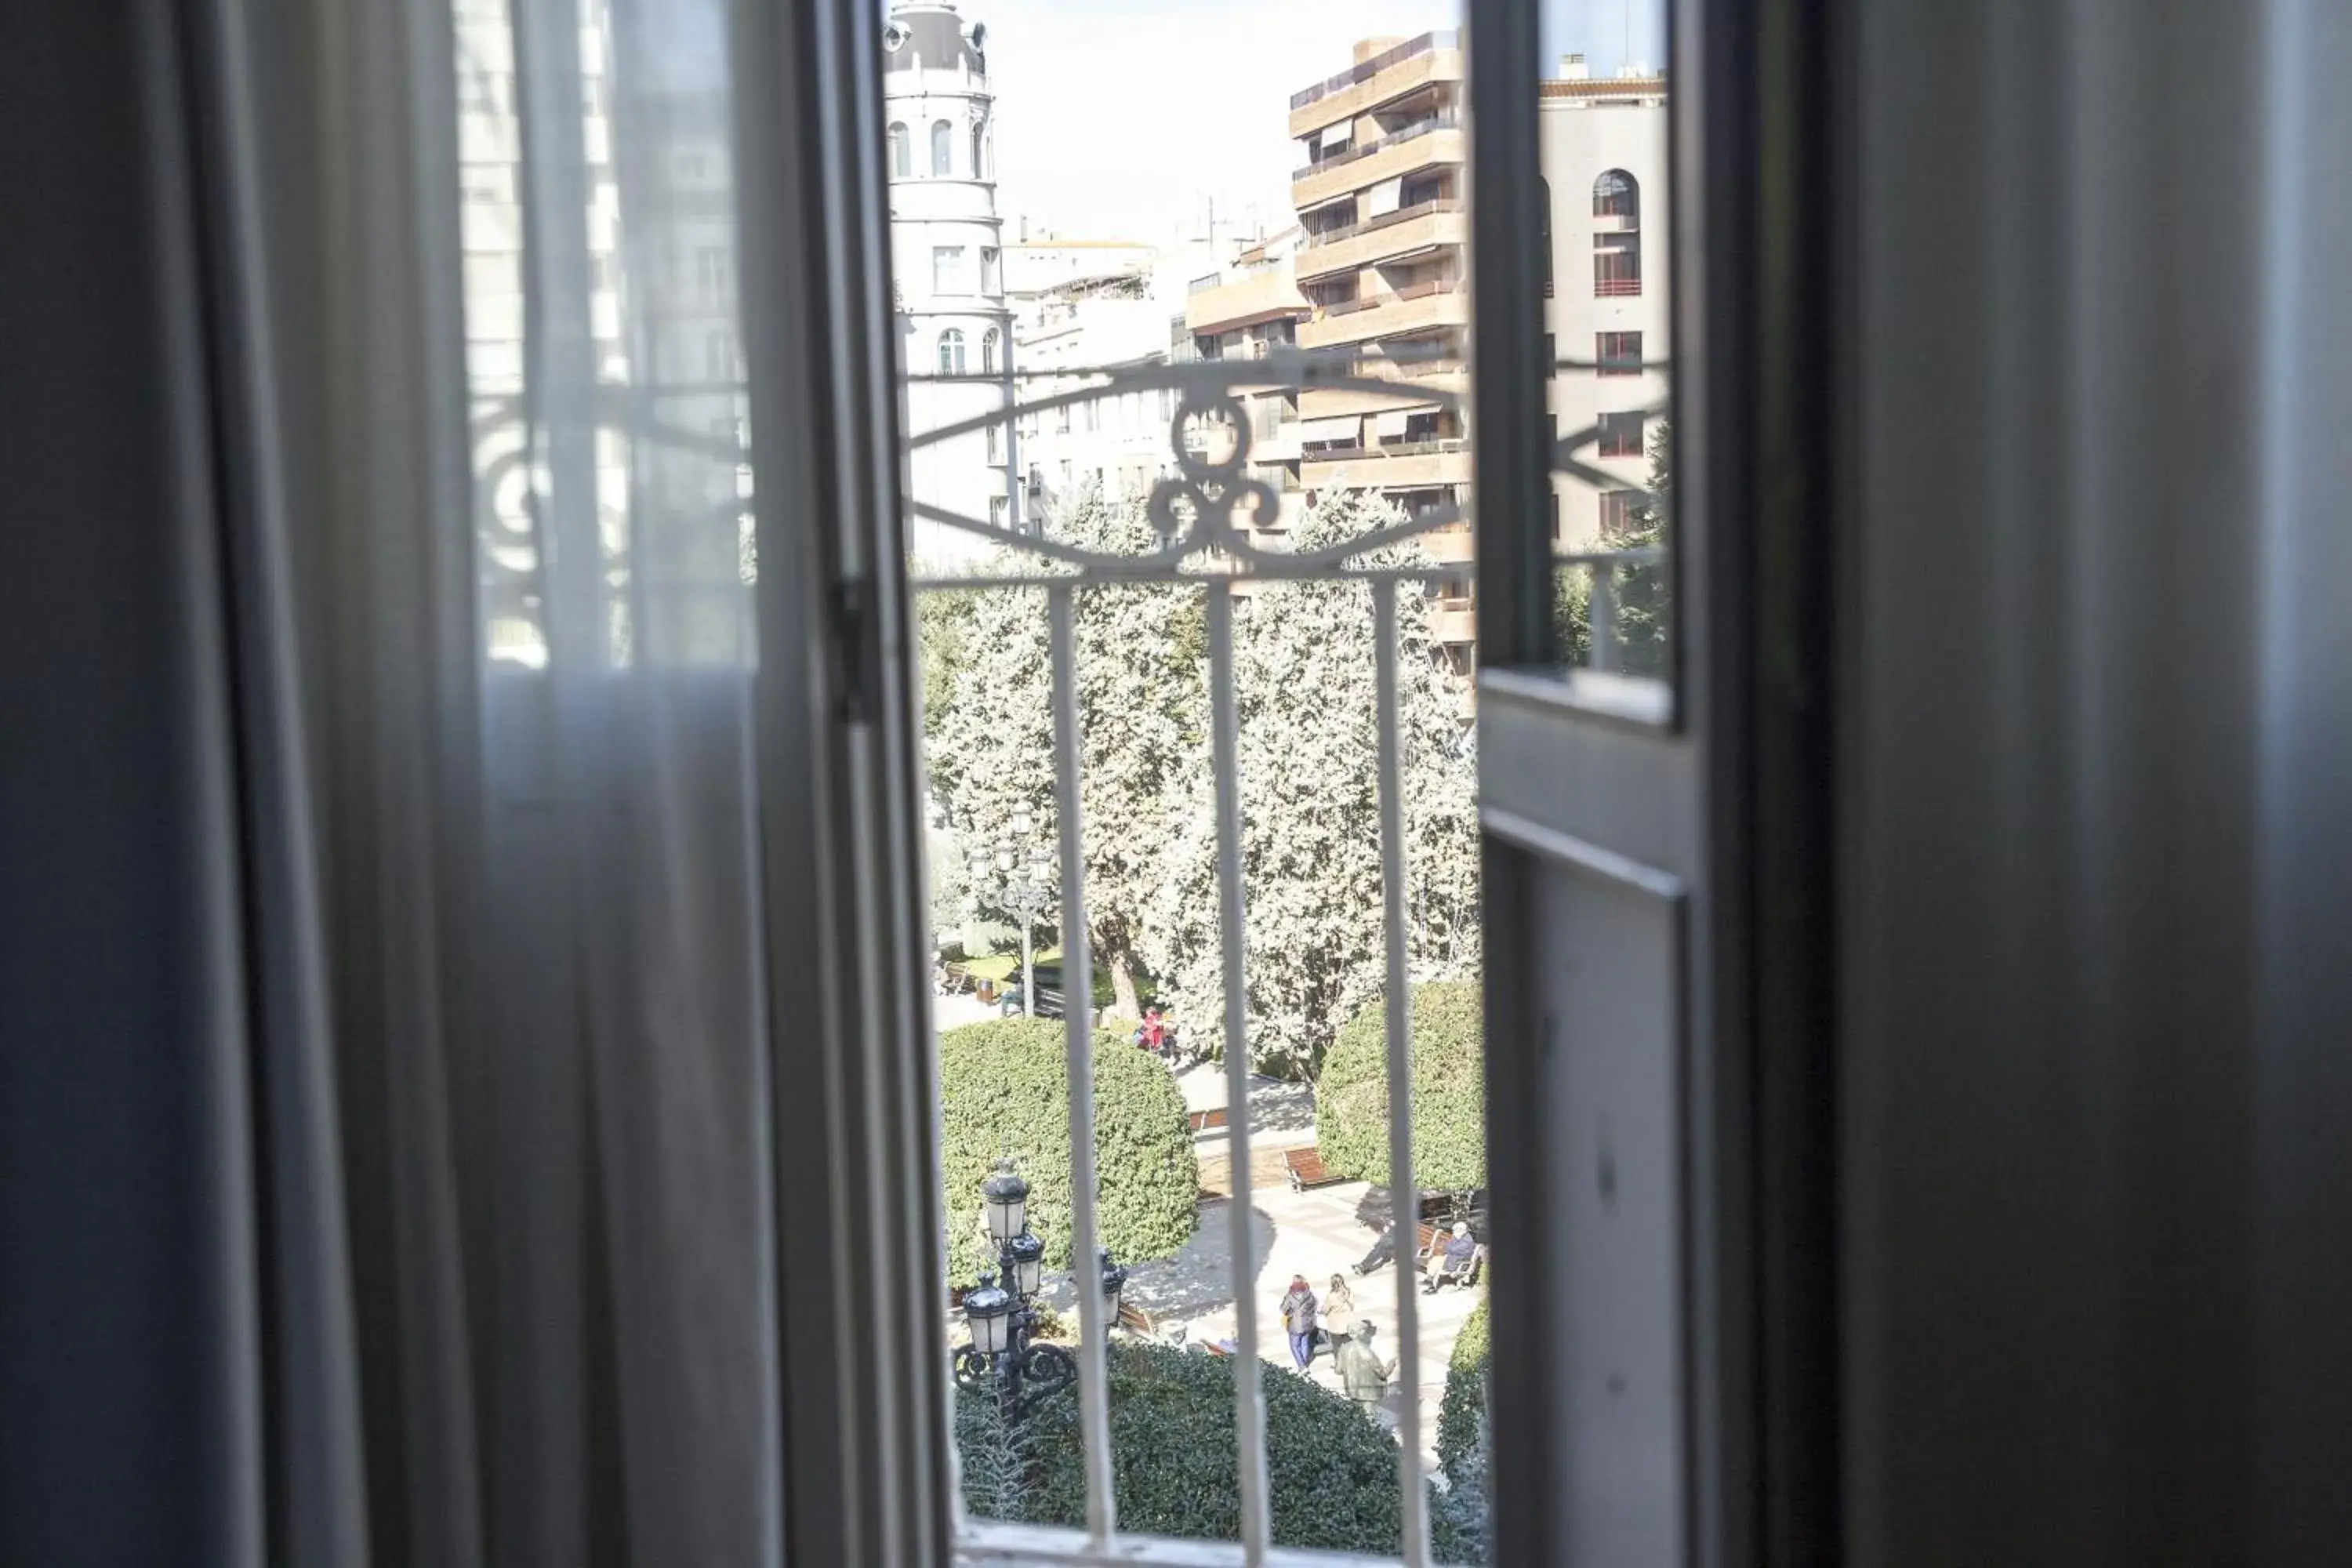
point(1244, 310)
point(1603, 145)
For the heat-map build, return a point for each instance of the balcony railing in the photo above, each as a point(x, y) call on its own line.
point(1366, 70)
point(1445, 120)
point(1616, 288)
point(1401, 215)
point(1206, 549)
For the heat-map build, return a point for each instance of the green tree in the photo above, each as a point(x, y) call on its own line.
point(1304, 690)
point(1643, 595)
point(1330, 1467)
point(989, 717)
point(1445, 1028)
point(1460, 1527)
point(1004, 1087)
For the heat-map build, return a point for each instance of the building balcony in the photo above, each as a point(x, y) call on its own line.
point(1267, 296)
point(1435, 144)
point(1327, 403)
point(1420, 308)
point(1451, 543)
point(1455, 623)
point(1400, 466)
point(1365, 86)
point(1424, 227)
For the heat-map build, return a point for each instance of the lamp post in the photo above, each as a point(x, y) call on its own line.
point(1021, 874)
point(1002, 1356)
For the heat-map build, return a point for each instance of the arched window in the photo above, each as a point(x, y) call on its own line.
point(902, 151)
point(942, 138)
point(951, 353)
point(979, 155)
point(988, 341)
point(1616, 195)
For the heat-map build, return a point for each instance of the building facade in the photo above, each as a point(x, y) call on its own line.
point(1604, 143)
point(1245, 310)
point(947, 253)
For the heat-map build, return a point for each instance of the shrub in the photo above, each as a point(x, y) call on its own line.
point(1331, 1469)
point(1449, 1130)
point(1006, 1082)
point(1462, 1411)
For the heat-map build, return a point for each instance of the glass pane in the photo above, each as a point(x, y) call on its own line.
point(1602, 122)
point(1228, 423)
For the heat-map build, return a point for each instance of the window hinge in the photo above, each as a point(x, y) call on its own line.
point(855, 626)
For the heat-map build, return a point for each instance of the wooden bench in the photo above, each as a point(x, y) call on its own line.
point(1305, 1169)
point(1203, 1121)
point(1136, 1321)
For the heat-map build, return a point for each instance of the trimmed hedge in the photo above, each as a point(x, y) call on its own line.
point(1006, 1081)
point(1464, 1406)
point(1449, 1127)
point(1330, 1467)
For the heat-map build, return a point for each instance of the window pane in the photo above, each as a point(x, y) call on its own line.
point(1602, 122)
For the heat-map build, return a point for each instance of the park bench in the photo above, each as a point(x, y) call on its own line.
point(1305, 1169)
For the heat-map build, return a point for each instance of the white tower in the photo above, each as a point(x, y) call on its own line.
point(947, 252)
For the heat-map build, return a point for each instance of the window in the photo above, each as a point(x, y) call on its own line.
point(902, 152)
point(1618, 354)
point(987, 343)
point(719, 356)
point(1620, 435)
point(991, 270)
point(942, 140)
point(996, 443)
point(1617, 512)
point(951, 353)
point(946, 271)
point(999, 508)
point(978, 154)
point(1616, 195)
point(1616, 266)
point(710, 274)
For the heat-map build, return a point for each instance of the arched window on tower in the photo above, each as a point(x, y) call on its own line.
point(942, 145)
point(988, 343)
point(1617, 235)
point(902, 150)
point(979, 155)
point(951, 353)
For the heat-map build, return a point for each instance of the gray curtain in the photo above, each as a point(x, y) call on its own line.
point(391, 1181)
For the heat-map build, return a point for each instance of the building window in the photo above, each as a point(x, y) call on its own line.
point(1617, 513)
point(987, 343)
point(979, 155)
point(942, 143)
point(998, 509)
point(1620, 435)
point(902, 152)
point(996, 443)
point(710, 273)
point(946, 271)
point(951, 353)
point(991, 270)
point(719, 356)
point(1616, 266)
point(1618, 354)
point(1617, 194)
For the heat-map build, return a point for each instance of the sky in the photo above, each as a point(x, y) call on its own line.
point(1119, 119)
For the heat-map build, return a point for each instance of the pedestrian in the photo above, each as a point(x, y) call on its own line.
point(1298, 1309)
point(1458, 1266)
point(1338, 1308)
point(1362, 1373)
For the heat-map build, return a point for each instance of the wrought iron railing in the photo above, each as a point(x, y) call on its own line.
point(1204, 547)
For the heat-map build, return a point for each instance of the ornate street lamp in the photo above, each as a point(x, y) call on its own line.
point(1003, 1357)
point(1024, 883)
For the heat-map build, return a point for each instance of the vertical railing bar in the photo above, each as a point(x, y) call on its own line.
point(1077, 1021)
point(1249, 1412)
point(1404, 1191)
